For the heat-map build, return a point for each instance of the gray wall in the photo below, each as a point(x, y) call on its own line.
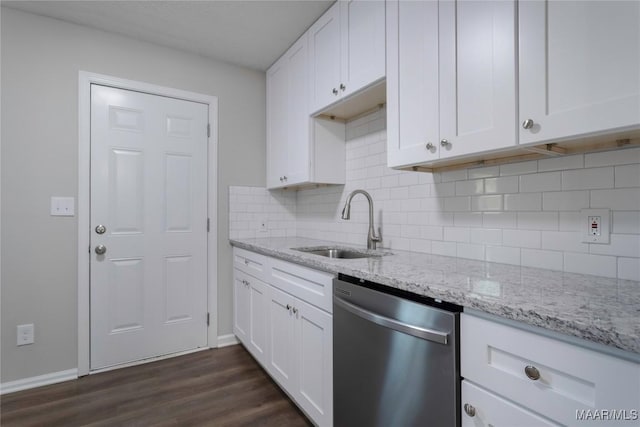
point(41, 58)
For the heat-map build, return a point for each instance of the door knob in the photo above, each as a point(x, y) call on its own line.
point(334, 91)
point(100, 229)
point(101, 249)
point(445, 143)
point(342, 87)
point(430, 146)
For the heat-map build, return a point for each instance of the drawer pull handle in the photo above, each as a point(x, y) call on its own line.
point(532, 372)
point(469, 410)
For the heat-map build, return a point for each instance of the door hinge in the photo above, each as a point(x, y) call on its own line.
point(208, 130)
point(208, 318)
point(208, 225)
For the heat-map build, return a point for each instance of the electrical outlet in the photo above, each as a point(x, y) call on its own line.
point(263, 225)
point(595, 225)
point(25, 334)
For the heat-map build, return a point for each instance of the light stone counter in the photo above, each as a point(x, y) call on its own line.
point(598, 309)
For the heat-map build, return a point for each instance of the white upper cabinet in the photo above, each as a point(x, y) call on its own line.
point(347, 50)
point(451, 79)
point(579, 68)
point(288, 126)
point(299, 150)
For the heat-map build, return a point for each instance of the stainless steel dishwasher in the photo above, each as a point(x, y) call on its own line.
point(395, 357)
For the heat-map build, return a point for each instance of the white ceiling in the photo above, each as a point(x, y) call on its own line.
point(248, 33)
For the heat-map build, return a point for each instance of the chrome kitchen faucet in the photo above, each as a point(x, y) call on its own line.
point(346, 214)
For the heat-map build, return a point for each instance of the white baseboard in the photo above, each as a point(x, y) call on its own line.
point(227, 340)
point(39, 381)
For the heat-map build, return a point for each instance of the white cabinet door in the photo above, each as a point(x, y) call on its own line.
point(277, 120)
point(298, 122)
point(413, 111)
point(281, 361)
point(324, 54)
point(477, 76)
point(579, 67)
point(258, 317)
point(362, 44)
point(481, 408)
point(314, 350)
point(241, 306)
point(451, 82)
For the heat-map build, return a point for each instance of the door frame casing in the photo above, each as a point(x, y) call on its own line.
point(85, 80)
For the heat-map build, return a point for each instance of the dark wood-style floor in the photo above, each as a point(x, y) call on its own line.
point(220, 387)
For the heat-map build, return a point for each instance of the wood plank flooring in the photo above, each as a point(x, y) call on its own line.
point(219, 387)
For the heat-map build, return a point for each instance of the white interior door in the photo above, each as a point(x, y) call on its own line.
point(149, 192)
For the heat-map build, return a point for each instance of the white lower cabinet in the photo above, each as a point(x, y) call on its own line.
point(541, 376)
point(290, 337)
point(482, 408)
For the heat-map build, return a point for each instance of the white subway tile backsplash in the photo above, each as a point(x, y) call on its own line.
point(627, 176)
point(485, 172)
point(469, 188)
point(470, 251)
point(519, 168)
point(525, 213)
point(533, 183)
point(457, 204)
point(467, 219)
point(561, 163)
point(585, 179)
point(456, 234)
point(597, 265)
point(486, 236)
point(565, 200)
point(627, 245)
point(443, 248)
point(486, 203)
point(499, 220)
point(626, 199)
point(503, 255)
point(522, 238)
point(551, 260)
point(507, 184)
point(629, 268)
point(612, 158)
point(523, 202)
point(538, 220)
point(626, 222)
point(455, 175)
point(568, 241)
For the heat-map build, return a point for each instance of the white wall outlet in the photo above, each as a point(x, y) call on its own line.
point(25, 334)
point(595, 225)
point(62, 206)
point(263, 225)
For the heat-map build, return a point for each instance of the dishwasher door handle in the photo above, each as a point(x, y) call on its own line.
point(424, 333)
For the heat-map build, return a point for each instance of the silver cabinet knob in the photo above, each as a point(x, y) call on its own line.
point(295, 310)
point(101, 249)
point(532, 372)
point(334, 91)
point(100, 229)
point(469, 410)
point(430, 146)
point(281, 179)
point(284, 178)
point(445, 143)
point(342, 87)
point(527, 124)
point(288, 306)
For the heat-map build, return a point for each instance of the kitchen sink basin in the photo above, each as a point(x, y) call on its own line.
point(336, 252)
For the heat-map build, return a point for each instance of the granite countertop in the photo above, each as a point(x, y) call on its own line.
point(598, 309)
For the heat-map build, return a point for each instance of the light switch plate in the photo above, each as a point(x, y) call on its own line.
point(595, 225)
point(63, 206)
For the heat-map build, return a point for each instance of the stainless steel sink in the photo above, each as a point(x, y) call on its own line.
point(336, 252)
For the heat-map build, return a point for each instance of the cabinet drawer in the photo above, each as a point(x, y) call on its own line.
point(571, 378)
point(312, 286)
point(250, 262)
point(487, 409)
